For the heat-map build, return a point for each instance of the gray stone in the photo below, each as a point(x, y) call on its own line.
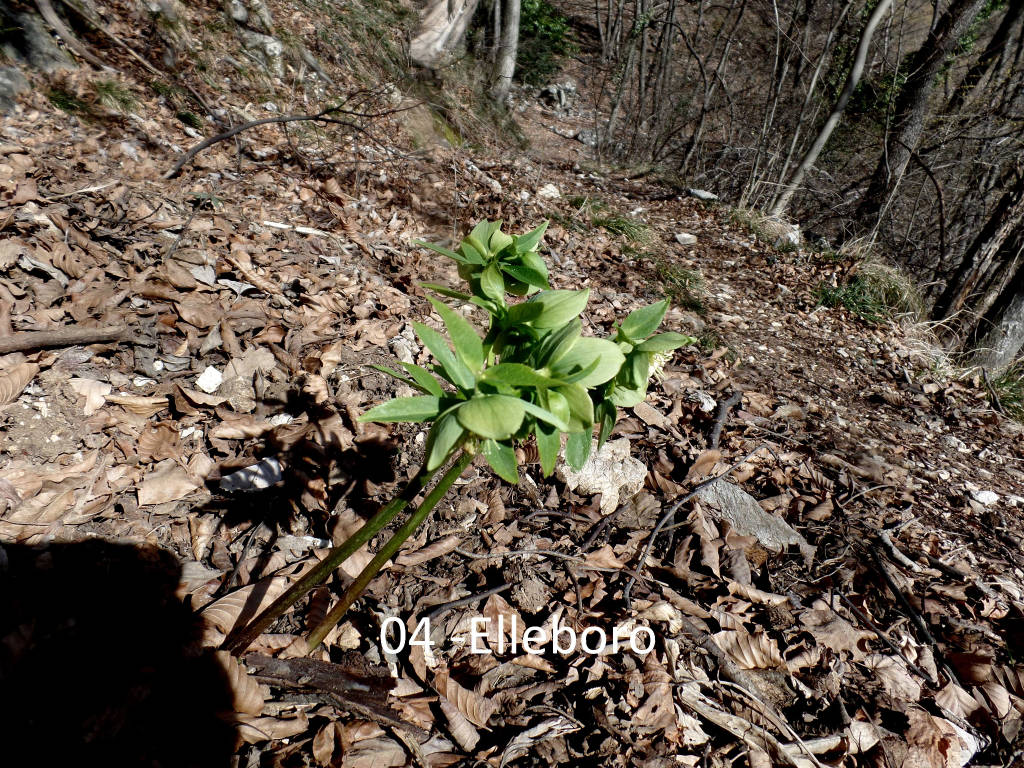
point(727, 501)
point(12, 83)
point(34, 46)
point(703, 195)
point(611, 471)
point(685, 238)
point(269, 50)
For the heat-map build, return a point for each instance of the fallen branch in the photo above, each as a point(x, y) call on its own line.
point(319, 117)
point(723, 413)
point(73, 43)
point(22, 341)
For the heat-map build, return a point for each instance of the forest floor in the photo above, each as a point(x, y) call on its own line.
point(850, 591)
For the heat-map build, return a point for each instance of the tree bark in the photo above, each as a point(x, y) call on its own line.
point(1004, 339)
point(983, 253)
point(912, 105)
point(508, 46)
point(442, 27)
point(852, 78)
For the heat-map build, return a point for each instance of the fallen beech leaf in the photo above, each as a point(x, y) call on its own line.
point(248, 696)
point(703, 465)
point(93, 391)
point(459, 726)
point(14, 380)
point(436, 548)
point(224, 613)
point(894, 676)
point(324, 742)
point(255, 730)
point(158, 442)
point(140, 405)
point(750, 651)
point(168, 481)
point(241, 428)
point(374, 753)
point(476, 708)
point(604, 558)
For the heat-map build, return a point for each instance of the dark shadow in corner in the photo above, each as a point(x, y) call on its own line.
point(100, 663)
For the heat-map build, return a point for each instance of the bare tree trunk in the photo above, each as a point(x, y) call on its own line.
point(982, 254)
point(811, 156)
point(442, 26)
point(1004, 340)
point(912, 104)
point(505, 66)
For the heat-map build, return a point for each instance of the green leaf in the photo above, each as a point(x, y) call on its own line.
point(418, 408)
point(545, 415)
point(445, 291)
point(424, 380)
point(443, 251)
point(606, 415)
point(548, 443)
point(468, 345)
point(558, 307)
point(641, 323)
point(482, 231)
point(525, 275)
point(665, 342)
point(492, 283)
point(557, 405)
point(524, 312)
point(493, 416)
point(583, 354)
point(473, 256)
point(628, 397)
point(443, 438)
point(641, 362)
point(577, 449)
point(401, 377)
point(502, 460)
point(559, 342)
point(457, 371)
point(517, 375)
point(531, 239)
point(581, 407)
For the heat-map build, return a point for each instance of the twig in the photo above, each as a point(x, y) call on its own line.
point(895, 554)
point(883, 637)
point(992, 391)
point(319, 117)
point(668, 516)
point(437, 610)
point(64, 337)
point(723, 413)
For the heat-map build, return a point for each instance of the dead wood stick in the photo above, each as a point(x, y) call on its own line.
point(723, 413)
point(319, 117)
point(883, 637)
point(23, 341)
point(77, 46)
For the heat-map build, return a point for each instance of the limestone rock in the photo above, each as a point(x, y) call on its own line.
point(611, 471)
point(12, 83)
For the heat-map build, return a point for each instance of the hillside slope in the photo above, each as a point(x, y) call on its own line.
point(247, 292)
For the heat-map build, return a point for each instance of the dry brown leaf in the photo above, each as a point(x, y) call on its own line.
point(248, 696)
point(833, 631)
point(324, 743)
point(241, 428)
point(703, 465)
point(346, 524)
point(459, 726)
point(244, 603)
point(13, 381)
point(956, 700)
point(894, 676)
point(750, 651)
point(255, 730)
point(477, 709)
point(604, 557)
point(159, 441)
point(140, 405)
point(374, 753)
point(201, 398)
point(436, 548)
point(94, 393)
point(168, 481)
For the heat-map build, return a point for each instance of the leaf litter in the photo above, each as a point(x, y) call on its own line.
point(848, 591)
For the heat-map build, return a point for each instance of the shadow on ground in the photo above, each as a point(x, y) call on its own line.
point(100, 663)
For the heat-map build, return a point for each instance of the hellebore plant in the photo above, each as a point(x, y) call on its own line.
point(532, 375)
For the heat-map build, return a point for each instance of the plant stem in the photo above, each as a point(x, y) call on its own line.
point(242, 637)
point(355, 589)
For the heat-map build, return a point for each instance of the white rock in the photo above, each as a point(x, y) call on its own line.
point(703, 194)
point(549, 192)
point(987, 498)
point(611, 471)
point(685, 238)
point(262, 475)
point(210, 380)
